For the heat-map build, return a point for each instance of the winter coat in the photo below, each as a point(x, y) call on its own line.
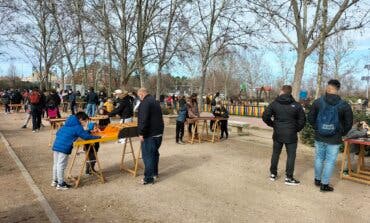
point(345, 119)
point(69, 133)
point(92, 98)
point(182, 113)
point(124, 108)
point(150, 118)
point(221, 112)
point(53, 100)
point(288, 118)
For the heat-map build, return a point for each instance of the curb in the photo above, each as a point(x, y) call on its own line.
point(31, 183)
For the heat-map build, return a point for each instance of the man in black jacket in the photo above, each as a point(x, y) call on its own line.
point(124, 107)
point(92, 100)
point(287, 118)
point(150, 129)
point(327, 145)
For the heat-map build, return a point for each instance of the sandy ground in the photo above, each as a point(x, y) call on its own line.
point(221, 182)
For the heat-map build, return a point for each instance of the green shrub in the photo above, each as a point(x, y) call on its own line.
point(167, 111)
point(307, 135)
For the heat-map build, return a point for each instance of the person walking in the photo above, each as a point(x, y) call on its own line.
point(332, 118)
point(150, 129)
point(92, 100)
point(287, 118)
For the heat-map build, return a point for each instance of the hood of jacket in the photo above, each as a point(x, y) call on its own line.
point(332, 99)
point(285, 99)
point(72, 121)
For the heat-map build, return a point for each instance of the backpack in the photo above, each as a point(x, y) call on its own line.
point(52, 112)
point(328, 118)
point(35, 98)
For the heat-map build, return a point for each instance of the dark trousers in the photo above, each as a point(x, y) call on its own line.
point(224, 130)
point(179, 131)
point(36, 112)
point(92, 159)
point(7, 108)
point(150, 155)
point(190, 126)
point(73, 107)
point(211, 123)
point(291, 149)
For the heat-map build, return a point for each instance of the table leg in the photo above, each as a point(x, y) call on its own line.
point(361, 155)
point(69, 172)
point(138, 157)
point(123, 155)
point(100, 172)
point(344, 155)
point(83, 166)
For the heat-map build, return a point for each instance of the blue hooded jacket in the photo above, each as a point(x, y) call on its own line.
point(182, 114)
point(68, 133)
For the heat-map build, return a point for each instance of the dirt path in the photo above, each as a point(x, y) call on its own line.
point(221, 182)
point(17, 203)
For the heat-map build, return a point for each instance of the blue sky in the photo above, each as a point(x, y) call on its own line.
point(361, 53)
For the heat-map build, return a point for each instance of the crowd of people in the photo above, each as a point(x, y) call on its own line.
point(330, 116)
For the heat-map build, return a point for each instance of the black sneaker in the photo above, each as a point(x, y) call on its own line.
point(291, 181)
point(273, 177)
point(326, 188)
point(143, 182)
point(24, 126)
point(63, 186)
point(318, 183)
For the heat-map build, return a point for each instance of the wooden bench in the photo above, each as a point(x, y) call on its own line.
point(239, 126)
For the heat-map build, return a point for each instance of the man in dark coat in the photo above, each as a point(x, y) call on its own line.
point(287, 118)
point(150, 129)
point(327, 146)
point(92, 100)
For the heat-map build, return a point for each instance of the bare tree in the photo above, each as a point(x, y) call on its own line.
point(219, 25)
point(303, 19)
point(36, 37)
point(165, 42)
point(254, 70)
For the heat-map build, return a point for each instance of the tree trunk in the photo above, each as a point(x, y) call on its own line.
point(321, 49)
point(202, 85)
point(298, 74)
point(159, 80)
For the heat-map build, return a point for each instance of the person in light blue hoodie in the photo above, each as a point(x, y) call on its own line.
point(63, 145)
point(180, 121)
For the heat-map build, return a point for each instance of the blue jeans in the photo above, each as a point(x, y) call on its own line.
point(150, 153)
point(90, 110)
point(325, 158)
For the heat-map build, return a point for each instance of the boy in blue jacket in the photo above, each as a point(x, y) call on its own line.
point(66, 135)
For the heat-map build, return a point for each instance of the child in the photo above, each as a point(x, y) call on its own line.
point(52, 110)
point(359, 130)
point(103, 122)
point(63, 144)
point(181, 118)
point(90, 163)
point(109, 105)
point(221, 111)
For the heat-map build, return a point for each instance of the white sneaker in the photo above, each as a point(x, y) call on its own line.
point(54, 183)
point(273, 177)
point(122, 141)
